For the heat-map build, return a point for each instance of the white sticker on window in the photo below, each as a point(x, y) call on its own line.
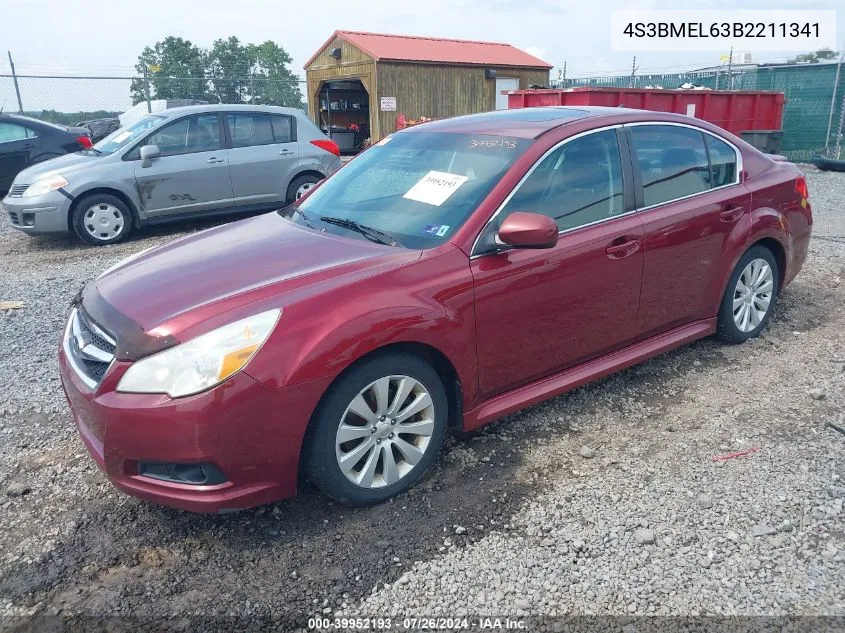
point(121, 137)
point(435, 187)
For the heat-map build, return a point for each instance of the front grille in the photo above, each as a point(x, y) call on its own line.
point(17, 190)
point(89, 349)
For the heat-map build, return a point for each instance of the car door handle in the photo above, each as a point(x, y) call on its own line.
point(731, 213)
point(623, 247)
point(286, 152)
point(214, 159)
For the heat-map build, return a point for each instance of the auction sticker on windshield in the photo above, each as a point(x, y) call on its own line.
point(435, 187)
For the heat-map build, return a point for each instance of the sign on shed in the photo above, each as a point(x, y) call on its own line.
point(388, 104)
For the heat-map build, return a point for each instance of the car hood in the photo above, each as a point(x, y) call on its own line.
point(221, 269)
point(60, 164)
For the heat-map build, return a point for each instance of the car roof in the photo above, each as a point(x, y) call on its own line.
point(223, 107)
point(533, 122)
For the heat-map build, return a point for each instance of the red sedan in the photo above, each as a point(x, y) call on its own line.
point(453, 273)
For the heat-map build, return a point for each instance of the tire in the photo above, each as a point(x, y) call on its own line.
point(372, 446)
point(305, 181)
point(106, 208)
point(735, 329)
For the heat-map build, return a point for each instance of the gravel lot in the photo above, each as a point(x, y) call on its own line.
point(606, 501)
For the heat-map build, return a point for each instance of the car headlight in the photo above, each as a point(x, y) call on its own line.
point(202, 362)
point(45, 185)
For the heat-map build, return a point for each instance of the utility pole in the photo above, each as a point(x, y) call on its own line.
point(633, 71)
point(147, 89)
point(15, 79)
point(564, 75)
point(730, 74)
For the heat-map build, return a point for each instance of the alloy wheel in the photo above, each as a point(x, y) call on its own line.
point(385, 431)
point(753, 295)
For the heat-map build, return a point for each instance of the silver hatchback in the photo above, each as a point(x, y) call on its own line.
point(177, 164)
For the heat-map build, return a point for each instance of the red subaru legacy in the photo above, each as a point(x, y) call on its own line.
point(451, 274)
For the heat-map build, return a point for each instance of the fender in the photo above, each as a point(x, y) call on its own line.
point(335, 330)
point(762, 223)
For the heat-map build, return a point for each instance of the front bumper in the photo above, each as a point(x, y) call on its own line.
point(41, 215)
point(250, 432)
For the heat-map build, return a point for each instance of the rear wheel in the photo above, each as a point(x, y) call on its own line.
point(379, 428)
point(750, 296)
point(101, 219)
point(301, 186)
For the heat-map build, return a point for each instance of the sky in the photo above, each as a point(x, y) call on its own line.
point(97, 37)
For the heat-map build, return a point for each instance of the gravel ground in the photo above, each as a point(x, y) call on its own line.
point(606, 501)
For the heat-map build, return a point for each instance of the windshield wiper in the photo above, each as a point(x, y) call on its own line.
point(374, 235)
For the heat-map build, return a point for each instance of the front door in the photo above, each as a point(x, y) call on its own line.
point(692, 202)
point(541, 311)
point(263, 155)
point(192, 173)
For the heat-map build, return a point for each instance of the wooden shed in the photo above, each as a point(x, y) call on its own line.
point(359, 83)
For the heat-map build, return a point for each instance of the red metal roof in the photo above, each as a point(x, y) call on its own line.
point(434, 49)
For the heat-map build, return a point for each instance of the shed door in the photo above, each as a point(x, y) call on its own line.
point(504, 83)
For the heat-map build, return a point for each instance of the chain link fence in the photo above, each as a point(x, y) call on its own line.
point(811, 120)
point(72, 99)
point(811, 116)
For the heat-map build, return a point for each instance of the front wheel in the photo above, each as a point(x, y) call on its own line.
point(750, 297)
point(101, 219)
point(378, 429)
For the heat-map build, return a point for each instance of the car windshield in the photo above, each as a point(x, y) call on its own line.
point(416, 187)
point(126, 135)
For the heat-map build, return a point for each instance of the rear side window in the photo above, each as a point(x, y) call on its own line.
point(14, 132)
point(283, 130)
point(722, 161)
point(672, 160)
point(579, 183)
point(251, 129)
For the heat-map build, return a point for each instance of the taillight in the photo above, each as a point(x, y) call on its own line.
point(85, 141)
point(801, 187)
point(328, 145)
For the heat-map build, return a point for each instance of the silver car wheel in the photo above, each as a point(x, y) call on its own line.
point(753, 295)
point(385, 431)
point(305, 188)
point(103, 221)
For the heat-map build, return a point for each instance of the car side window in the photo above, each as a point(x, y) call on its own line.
point(722, 162)
point(283, 130)
point(579, 183)
point(14, 132)
point(189, 135)
point(672, 160)
point(247, 130)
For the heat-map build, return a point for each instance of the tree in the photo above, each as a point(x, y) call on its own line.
point(814, 58)
point(274, 83)
point(229, 72)
point(181, 72)
point(229, 65)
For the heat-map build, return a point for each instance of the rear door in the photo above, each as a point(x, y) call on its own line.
point(18, 145)
point(263, 155)
point(692, 205)
point(192, 174)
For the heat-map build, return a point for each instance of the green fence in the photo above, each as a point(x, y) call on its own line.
point(808, 89)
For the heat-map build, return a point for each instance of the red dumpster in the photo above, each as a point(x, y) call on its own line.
point(735, 111)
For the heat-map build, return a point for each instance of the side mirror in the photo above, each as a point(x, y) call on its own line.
point(148, 154)
point(528, 230)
